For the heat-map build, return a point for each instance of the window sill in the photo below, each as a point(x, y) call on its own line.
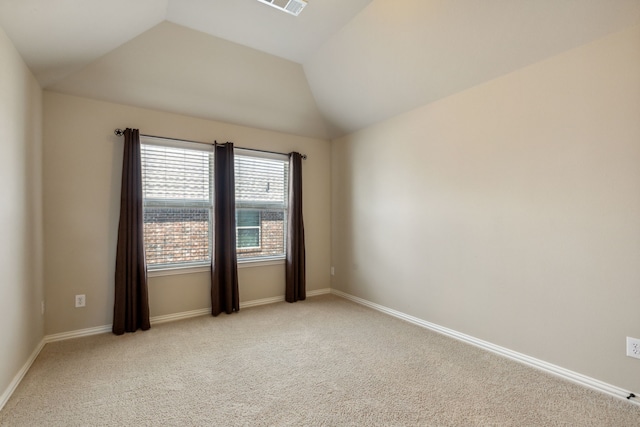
point(174, 271)
point(248, 263)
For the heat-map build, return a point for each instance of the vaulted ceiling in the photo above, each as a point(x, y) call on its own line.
point(338, 67)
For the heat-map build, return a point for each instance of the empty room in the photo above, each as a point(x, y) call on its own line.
point(320, 212)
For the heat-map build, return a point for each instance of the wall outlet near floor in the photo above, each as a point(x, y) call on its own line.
point(633, 347)
point(81, 301)
point(333, 271)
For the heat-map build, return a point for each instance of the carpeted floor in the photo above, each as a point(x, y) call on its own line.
point(321, 362)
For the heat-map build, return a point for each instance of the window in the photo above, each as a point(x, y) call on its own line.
point(177, 183)
point(247, 229)
point(261, 204)
point(178, 203)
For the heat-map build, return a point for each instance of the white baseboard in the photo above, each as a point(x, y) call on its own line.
point(513, 355)
point(172, 317)
point(4, 398)
point(156, 320)
point(319, 292)
point(77, 333)
point(263, 301)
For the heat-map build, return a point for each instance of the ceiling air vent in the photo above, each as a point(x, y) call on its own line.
point(293, 7)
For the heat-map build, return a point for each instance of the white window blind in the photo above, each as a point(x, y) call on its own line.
point(177, 187)
point(261, 204)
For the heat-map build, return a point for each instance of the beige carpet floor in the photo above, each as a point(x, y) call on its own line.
point(322, 362)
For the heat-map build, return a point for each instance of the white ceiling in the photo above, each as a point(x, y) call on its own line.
point(338, 67)
point(390, 59)
point(249, 23)
point(56, 38)
point(176, 69)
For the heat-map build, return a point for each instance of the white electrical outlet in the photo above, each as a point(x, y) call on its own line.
point(633, 347)
point(333, 271)
point(81, 301)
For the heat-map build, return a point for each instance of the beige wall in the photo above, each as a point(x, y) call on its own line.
point(82, 166)
point(21, 288)
point(509, 212)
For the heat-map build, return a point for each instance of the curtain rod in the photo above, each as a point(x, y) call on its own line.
point(120, 132)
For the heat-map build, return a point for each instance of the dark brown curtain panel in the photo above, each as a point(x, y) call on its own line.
point(295, 276)
point(131, 307)
point(224, 268)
